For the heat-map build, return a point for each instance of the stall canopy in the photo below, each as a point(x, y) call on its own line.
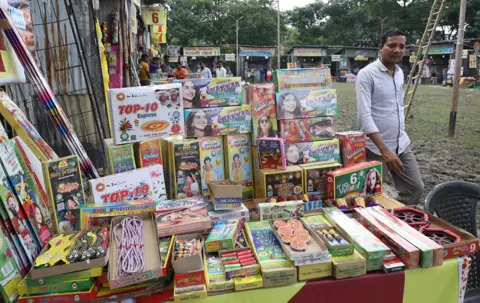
point(201, 51)
point(360, 54)
point(248, 51)
point(308, 51)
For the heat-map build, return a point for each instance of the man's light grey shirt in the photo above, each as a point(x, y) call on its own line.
point(380, 106)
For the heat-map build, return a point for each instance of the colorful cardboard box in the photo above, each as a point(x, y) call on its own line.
point(211, 161)
point(193, 218)
point(58, 287)
point(307, 130)
point(310, 152)
point(226, 194)
point(271, 153)
point(185, 169)
point(302, 79)
point(146, 112)
point(238, 161)
point(369, 246)
point(148, 152)
point(218, 121)
point(352, 147)
point(362, 179)
point(120, 157)
point(222, 236)
point(349, 266)
point(166, 245)
point(64, 187)
point(142, 183)
point(308, 104)
point(9, 270)
point(212, 92)
point(264, 112)
point(279, 210)
point(189, 296)
point(242, 214)
point(275, 183)
point(248, 282)
point(315, 177)
point(72, 276)
point(81, 297)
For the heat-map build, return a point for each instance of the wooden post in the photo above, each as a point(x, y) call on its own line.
point(458, 68)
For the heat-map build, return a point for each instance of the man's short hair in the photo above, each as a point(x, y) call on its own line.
point(220, 61)
point(391, 33)
point(144, 57)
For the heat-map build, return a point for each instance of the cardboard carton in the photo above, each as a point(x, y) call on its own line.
point(220, 121)
point(274, 183)
point(58, 287)
point(310, 152)
point(72, 276)
point(349, 266)
point(223, 236)
point(148, 152)
point(311, 103)
point(352, 147)
point(248, 282)
point(314, 271)
point(238, 162)
point(302, 78)
point(189, 263)
point(289, 209)
point(153, 263)
point(82, 297)
point(211, 161)
point(225, 195)
point(243, 214)
point(307, 130)
point(189, 296)
point(315, 176)
point(120, 157)
point(187, 279)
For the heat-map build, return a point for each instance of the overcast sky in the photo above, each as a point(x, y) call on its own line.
point(290, 4)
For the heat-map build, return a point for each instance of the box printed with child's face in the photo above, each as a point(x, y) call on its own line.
point(238, 158)
point(211, 161)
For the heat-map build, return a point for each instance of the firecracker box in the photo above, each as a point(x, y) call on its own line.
point(222, 236)
point(225, 195)
point(275, 183)
point(166, 251)
point(81, 297)
point(215, 274)
point(243, 214)
point(168, 162)
point(189, 294)
point(408, 253)
point(349, 266)
point(153, 262)
point(264, 113)
point(218, 121)
point(302, 79)
point(352, 147)
point(315, 177)
point(431, 253)
point(58, 287)
point(314, 271)
point(310, 152)
point(369, 246)
point(185, 170)
point(277, 270)
point(468, 243)
point(334, 250)
point(148, 152)
point(308, 104)
point(72, 276)
point(362, 179)
point(241, 272)
point(212, 92)
point(145, 182)
point(8, 291)
point(189, 263)
point(189, 278)
point(146, 112)
point(100, 215)
point(238, 162)
point(307, 130)
point(176, 205)
point(189, 219)
point(64, 187)
point(211, 161)
point(120, 157)
point(279, 210)
point(271, 153)
point(248, 282)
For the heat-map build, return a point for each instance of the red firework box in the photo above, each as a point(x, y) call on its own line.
point(431, 253)
point(409, 254)
point(264, 112)
point(190, 278)
point(352, 147)
point(78, 297)
point(307, 130)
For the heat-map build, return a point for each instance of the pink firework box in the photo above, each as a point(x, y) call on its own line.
point(412, 235)
point(194, 218)
point(352, 147)
point(146, 182)
point(264, 112)
point(307, 130)
point(147, 112)
point(408, 253)
point(307, 104)
point(271, 153)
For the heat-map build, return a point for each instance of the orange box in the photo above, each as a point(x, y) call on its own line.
point(190, 279)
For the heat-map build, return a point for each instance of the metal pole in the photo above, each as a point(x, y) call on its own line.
point(458, 67)
point(238, 59)
point(278, 34)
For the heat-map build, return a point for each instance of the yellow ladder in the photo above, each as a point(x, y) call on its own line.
point(422, 53)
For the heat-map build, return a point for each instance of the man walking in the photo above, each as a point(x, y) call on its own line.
point(220, 71)
point(380, 95)
point(205, 72)
point(144, 71)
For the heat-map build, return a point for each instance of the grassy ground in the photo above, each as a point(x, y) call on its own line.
point(440, 158)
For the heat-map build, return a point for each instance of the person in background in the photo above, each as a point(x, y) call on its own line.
point(205, 72)
point(380, 94)
point(181, 73)
point(263, 71)
point(220, 71)
point(268, 72)
point(166, 68)
point(258, 75)
point(154, 65)
point(144, 71)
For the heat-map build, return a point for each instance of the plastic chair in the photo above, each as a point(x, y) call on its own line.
point(456, 203)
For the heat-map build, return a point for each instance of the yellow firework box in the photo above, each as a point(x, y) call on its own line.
point(238, 161)
point(120, 157)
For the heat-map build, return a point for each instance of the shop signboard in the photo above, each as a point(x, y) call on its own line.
point(256, 52)
point(440, 49)
point(344, 63)
point(158, 34)
point(310, 52)
point(173, 50)
point(201, 51)
point(154, 15)
point(229, 57)
point(465, 54)
point(336, 58)
point(472, 61)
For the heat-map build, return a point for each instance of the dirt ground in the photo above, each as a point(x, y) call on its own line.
point(440, 158)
